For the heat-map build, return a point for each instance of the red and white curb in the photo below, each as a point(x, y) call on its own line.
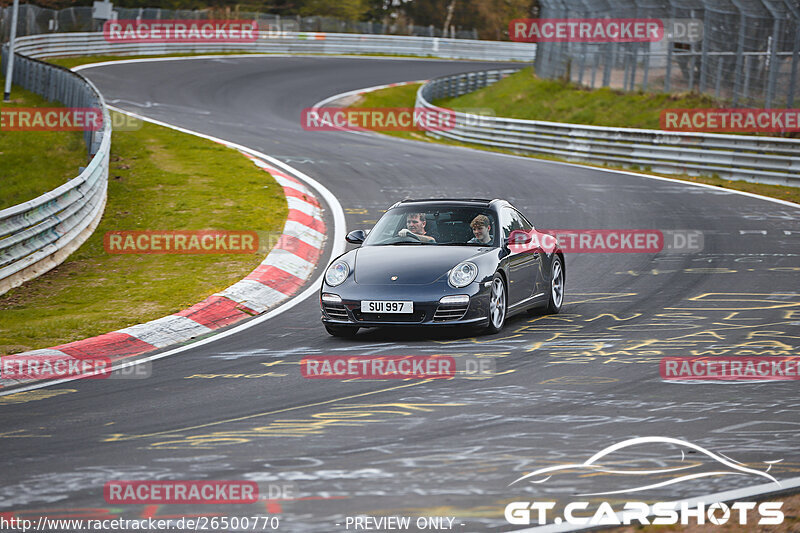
point(279, 276)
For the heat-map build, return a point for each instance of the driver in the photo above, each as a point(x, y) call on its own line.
point(415, 228)
point(481, 229)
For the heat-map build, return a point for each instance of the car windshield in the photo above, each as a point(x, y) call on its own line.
point(434, 225)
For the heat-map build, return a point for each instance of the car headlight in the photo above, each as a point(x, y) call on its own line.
point(337, 273)
point(463, 274)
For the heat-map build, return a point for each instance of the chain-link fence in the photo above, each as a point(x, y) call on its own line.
point(747, 54)
point(35, 20)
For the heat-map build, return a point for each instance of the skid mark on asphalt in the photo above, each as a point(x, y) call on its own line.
point(178, 432)
point(32, 396)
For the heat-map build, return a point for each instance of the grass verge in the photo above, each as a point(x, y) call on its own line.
point(404, 96)
point(159, 179)
point(522, 95)
point(25, 173)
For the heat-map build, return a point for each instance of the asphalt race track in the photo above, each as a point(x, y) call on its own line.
point(565, 386)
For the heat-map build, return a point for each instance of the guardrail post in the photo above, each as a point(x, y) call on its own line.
point(704, 55)
point(773, 63)
point(737, 69)
point(795, 63)
point(609, 64)
point(746, 85)
point(11, 52)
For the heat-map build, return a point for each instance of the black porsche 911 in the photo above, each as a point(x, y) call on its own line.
point(443, 263)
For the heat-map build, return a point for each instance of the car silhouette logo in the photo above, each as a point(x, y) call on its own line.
point(599, 463)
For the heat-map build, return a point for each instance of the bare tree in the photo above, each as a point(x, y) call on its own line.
point(449, 17)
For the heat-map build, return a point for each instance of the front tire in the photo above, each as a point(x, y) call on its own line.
point(342, 331)
point(557, 285)
point(498, 305)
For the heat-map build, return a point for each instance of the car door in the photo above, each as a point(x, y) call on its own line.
point(524, 262)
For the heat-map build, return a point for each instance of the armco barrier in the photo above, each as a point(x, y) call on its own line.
point(37, 235)
point(71, 44)
point(772, 160)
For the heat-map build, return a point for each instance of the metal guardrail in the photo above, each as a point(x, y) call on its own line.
point(37, 235)
point(71, 44)
point(771, 160)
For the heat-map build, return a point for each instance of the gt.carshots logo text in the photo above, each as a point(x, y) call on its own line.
point(180, 31)
point(661, 513)
point(377, 119)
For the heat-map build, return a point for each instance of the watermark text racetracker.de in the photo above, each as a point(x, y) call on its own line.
point(377, 119)
point(63, 119)
point(395, 367)
point(60, 366)
point(180, 31)
point(721, 368)
point(608, 240)
point(183, 242)
point(384, 367)
point(637, 512)
point(735, 120)
point(174, 492)
point(605, 30)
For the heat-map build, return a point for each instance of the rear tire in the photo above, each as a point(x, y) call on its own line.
point(557, 285)
point(342, 331)
point(498, 305)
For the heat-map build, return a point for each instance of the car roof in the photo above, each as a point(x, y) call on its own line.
point(483, 202)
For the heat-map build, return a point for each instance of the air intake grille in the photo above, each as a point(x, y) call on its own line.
point(335, 311)
point(447, 312)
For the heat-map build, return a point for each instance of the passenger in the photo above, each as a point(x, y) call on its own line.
point(415, 228)
point(481, 229)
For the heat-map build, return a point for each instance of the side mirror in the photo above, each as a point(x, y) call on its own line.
point(356, 236)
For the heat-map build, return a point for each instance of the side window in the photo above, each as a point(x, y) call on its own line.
point(511, 220)
point(527, 226)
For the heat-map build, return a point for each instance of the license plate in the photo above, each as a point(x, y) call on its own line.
point(385, 306)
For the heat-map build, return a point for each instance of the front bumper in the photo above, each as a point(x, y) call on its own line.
point(427, 309)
